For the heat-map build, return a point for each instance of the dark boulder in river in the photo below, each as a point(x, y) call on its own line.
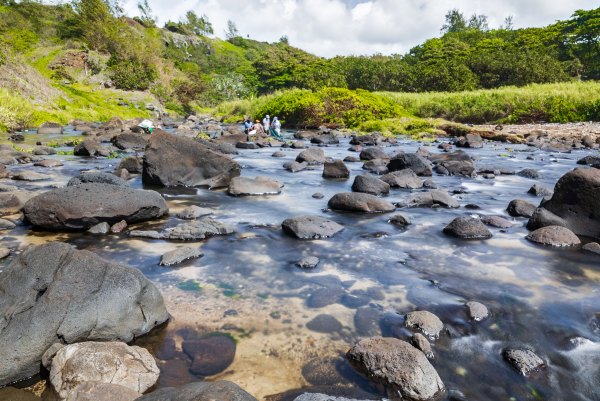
point(55, 293)
point(576, 202)
point(97, 177)
point(398, 366)
point(359, 202)
point(311, 227)
point(467, 228)
point(80, 207)
point(172, 161)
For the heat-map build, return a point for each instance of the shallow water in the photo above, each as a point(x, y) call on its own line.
point(246, 285)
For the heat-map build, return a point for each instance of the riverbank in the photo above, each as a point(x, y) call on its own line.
point(282, 330)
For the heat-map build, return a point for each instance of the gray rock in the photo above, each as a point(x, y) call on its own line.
point(520, 208)
point(193, 212)
point(200, 391)
point(420, 342)
point(50, 128)
point(400, 220)
point(193, 230)
point(540, 190)
point(171, 161)
point(351, 159)
point(554, 236)
point(105, 362)
point(477, 311)
point(4, 252)
point(48, 163)
point(496, 221)
point(428, 323)
point(592, 247)
point(89, 147)
point(413, 161)
point(403, 179)
point(100, 228)
point(311, 227)
point(278, 154)
point(132, 164)
point(359, 202)
point(435, 197)
point(318, 195)
point(467, 228)
point(473, 141)
point(589, 160)
point(374, 152)
point(294, 166)
point(82, 206)
point(118, 227)
point(525, 361)
point(30, 176)
point(309, 262)
point(529, 173)
point(130, 140)
point(544, 218)
point(398, 366)
point(56, 293)
point(247, 145)
point(179, 255)
point(96, 391)
point(210, 354)
point(7, 188)
point(311, 156)
point(370, 185)
point(99, 178)
point(245, 186)
point(576, 201)
point(376, 166)
point(14, 201)
point(335, 169)
point(6, 224)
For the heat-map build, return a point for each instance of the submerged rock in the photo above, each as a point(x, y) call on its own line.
point(200, 391)
point(554, 236)
point(467, 228)
point(54, 293)
point(48, 163)
point(193, 230)
point(179, 255)
point(102, 362)
point(80, 207)
point(529, 173)
point(294, 166)
point(525, 361)
point(359, 202)
point(193, 212)
point(245, 186)
point(311, 227)
point(30, 176)
point(211, 354)
point(171, 160)
point(324, 323)
point(96, 391)
point(398, 366)
point(592, 247)
point(435, 197)
point(400, 220)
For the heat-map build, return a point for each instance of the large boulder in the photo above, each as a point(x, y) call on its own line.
point(413, 161)
point(467, 228)
point(520, 208)
point(104, 362)
point(311, 156)
point(129, 140)
point(554, 236)
point(50, 128)
point(200, 391)
point(172, 160)
point(80, 207)
point(90, 147)
point(576, 201)
point(311, 227)
point(375, 152)
point(55, 293)
point(398, 366)
point(335, 169)
point(359, 202)
point(245, 186)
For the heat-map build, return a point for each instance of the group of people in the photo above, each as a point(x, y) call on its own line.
point(266, 129)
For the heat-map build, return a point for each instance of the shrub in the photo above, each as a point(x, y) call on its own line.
point(131, 74)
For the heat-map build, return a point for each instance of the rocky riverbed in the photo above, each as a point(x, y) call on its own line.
point(354, 266)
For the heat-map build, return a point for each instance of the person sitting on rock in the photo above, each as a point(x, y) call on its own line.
point(266, 123)
point(247, 126)
point(275, 130)
point(258, 130)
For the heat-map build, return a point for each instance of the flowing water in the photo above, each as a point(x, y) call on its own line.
point(248, 294)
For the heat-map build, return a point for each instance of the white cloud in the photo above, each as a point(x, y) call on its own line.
point(343, 27)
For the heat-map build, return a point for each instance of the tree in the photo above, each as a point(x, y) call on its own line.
point(455, 22)
point(508, 23)
point(284, 39)
point(198, 25)
point(146, 18)
point(479, 22)
point(232, 30)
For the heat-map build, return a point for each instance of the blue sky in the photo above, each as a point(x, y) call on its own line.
point(343, 27)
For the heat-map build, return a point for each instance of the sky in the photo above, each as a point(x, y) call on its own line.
point(356, 27)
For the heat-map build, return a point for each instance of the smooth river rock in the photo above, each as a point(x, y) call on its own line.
point(179, 255)
point(55, 293)
point(398, 366)
point(105, 362)
point(335, 169)
point(369, 184)
point(467, 228)
point(311, 227)
point(433, 198)
point(413, 161)
point(171, 161)
point(406, 179)
point(80, 207)
point(359, 202)
point(520, 208)
point(426, 322)
point(311, 156)
point(554, 236)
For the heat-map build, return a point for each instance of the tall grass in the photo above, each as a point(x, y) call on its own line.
point(560, 102)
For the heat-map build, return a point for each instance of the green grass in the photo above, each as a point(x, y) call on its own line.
point(560, 102)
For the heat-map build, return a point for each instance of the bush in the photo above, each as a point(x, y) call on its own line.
point(330, 106)
point(131, 75)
